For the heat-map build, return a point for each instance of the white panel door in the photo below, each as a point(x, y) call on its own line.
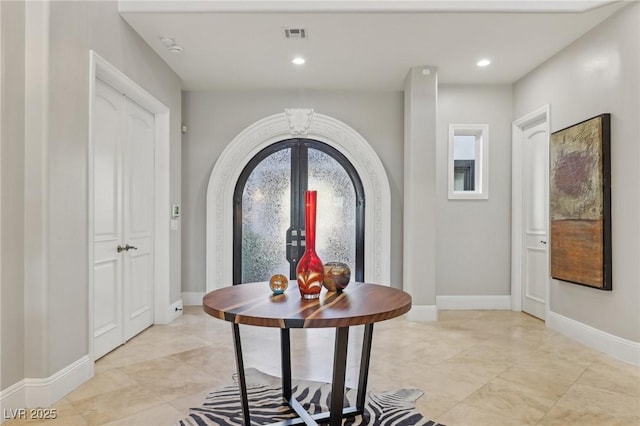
point(535, 220)
point(138, 223)
point(122, 219)
point(107, 219)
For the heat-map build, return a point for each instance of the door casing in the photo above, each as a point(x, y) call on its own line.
point(517, 203)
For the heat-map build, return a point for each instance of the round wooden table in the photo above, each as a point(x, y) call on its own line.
point(359, 304)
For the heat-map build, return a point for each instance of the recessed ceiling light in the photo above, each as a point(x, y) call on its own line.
point(298, 60)
point(483, 62)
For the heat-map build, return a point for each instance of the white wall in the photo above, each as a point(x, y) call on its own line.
point(474, 236)
point(600, 73)
point(215, 118)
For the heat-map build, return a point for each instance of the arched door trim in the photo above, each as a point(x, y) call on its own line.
point(296, 123)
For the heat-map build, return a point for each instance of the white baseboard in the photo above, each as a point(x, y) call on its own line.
point(44, 392)
point(617, 347)
point(175, 310)
point(474, 302)
point(12, 398)
point(30, 393)
point(423, 313)
point(192, 298)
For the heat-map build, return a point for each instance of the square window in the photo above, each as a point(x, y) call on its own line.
point(468, 161)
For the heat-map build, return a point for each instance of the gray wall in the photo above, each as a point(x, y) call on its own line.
point(77, 27)
point(465, 229)
point(12, 155)
point(600, 73)
point(473, 255)
point(74, 29)
point(215, 118)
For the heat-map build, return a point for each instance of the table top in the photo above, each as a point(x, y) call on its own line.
point(255, 304)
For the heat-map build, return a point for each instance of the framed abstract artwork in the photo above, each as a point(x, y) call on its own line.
point(580, 203)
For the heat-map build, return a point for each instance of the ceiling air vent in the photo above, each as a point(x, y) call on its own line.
point(295, 33)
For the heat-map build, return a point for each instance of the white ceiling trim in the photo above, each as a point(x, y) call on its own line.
point(361, 6)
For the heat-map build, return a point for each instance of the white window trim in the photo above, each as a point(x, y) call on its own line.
point(481, 131)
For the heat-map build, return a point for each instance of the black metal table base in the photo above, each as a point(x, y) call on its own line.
point(337, 411)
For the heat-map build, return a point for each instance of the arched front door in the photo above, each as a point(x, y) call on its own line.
point(268, 220)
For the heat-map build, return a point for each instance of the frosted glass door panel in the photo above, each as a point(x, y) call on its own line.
point(268, 224)
point(266, 207)
point(336, 212)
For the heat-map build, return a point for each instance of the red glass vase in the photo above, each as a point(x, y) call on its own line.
point(310, 268)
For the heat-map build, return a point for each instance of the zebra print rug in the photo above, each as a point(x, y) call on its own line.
point(222, 407)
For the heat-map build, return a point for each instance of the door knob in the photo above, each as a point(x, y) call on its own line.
point(543, 242)
point(128, 247)
point(120, 248)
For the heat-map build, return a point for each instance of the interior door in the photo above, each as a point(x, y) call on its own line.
point(138, 219)
point(107, 224)
point(123, 134)
point(269, 234)
point(536, 218)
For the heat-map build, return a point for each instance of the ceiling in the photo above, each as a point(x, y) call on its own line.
point(358, 44)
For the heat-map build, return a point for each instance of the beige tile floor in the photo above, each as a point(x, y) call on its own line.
point(475, 368)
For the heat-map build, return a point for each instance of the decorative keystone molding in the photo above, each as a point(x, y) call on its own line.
point(299, 120)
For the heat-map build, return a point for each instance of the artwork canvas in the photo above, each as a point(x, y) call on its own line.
point(580, 203)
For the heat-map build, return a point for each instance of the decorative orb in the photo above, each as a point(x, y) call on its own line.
point(336, 276)
point(278, 283)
